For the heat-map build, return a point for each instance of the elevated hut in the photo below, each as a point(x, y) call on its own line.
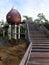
point(14, 19)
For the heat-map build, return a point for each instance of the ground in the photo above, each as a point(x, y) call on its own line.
point(12, 54)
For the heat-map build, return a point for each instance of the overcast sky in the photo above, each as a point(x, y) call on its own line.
point(25, 7)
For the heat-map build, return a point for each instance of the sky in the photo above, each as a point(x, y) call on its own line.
point(30, 8)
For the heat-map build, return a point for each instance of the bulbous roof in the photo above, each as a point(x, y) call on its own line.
point(13, 17)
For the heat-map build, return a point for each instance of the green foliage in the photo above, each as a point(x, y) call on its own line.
point(28, 18)
point(42, 20)
point(41, 16)
point(46, 24)
point(22, 28)
point(1, 32)
point(2, 24)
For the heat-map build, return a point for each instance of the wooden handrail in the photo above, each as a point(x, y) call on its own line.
point(24, 59)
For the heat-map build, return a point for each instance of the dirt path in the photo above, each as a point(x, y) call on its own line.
point(11, 55)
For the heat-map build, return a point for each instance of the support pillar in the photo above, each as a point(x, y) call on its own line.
point(18, 31)
point(9, 32)
point(15, 36)
point(3, 33)
point(14, 31)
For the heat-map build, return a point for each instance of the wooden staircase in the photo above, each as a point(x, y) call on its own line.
point(39, 51)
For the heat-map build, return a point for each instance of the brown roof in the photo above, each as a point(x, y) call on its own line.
point(13, 17)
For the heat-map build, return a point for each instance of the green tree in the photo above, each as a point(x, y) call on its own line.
point(28, 18)
point(41, 18)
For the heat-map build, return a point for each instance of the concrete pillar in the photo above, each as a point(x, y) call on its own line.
point(15, 36)
point(14, 31)
point(18, 31)
point(9, 32)
point(3, 33)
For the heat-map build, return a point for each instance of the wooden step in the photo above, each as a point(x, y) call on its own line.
point(35, 31)
point(38, 36)
point(37, 63)
point(39, 54)
point(40, 50)
point(39, 59)
point(39, 40)
point(40, 44)
point(46, 42)
point(37, 47)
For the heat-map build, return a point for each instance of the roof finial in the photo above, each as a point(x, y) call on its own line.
point(12, 7)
